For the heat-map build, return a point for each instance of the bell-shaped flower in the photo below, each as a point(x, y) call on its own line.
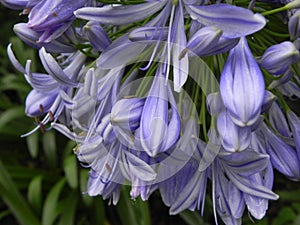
point(126, 113)
point(136, 167)
point(96, 35)
point(294, 25)
point(278, 58)
point(159, 126)
point(294, 122)
point(269, 98)
point(15, 4)
point(183, 185)
point(233, 137)
point(286, 77)
point(51, 92)
point(242, 85)
point(49, 16)
point(180, 62)
point(283, 156)
point(234, 21)
point(278, 120)
point(122, 51)
point(202, 40)
point(290, 89)
point(31, 37)
point(120, 15)
point(230, 177)
point(105, 176)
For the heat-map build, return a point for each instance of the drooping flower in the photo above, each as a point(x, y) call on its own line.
point(236, 179)
point(159, 130)
point(242, 85)
point(278, 58)
point(52, 18)
point(283, 156)
point(49, 90)
point(233, 137)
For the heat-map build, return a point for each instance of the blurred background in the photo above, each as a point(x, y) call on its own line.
point(42, 183)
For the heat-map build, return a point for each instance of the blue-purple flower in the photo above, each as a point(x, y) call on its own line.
point(242, 85)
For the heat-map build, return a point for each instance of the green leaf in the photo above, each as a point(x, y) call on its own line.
point(35, 193)
point(33, 144)
point(4, 214)
point(14, 200)
point(142, 209)
point(84, 176)
point(70, 168)
point(125, 209)
point(69, 209)
point(49, 145)
point(192, 218)
point(10, 115)
point(50, 211)
point(286, 216)
point(99, 209)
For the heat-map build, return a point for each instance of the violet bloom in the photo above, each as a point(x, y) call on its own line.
point(278, 120)
point(278, 58)
point(52, 18)
point(294, 25)
point(31, 37)
point(49, 90)
point(233, 137)
point(242, 85)
point(294, 122)
point(236, 179)
point(171, 15)
point(159, 125)
point(282, 155)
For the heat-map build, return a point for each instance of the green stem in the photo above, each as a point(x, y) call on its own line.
point(273, 11)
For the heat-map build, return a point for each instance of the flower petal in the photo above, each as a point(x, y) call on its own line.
point(120, 15)
point(234, 21)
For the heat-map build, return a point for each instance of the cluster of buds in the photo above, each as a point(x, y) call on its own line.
point(168, 96)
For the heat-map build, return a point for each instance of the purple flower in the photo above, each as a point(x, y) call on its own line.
point(15, 4)
point(159, 126)
point(236, 180)
point(294, 25)
point(126, 113)
point(232, 20)
point(233, 137)
point(278, 58)
point(52, 18)
point(278, 120)
point(283, 156)
point(294, 122)
point(119, 15)
point(49, 90)
point(31, 37)
point(96, 35)
point(242, 85)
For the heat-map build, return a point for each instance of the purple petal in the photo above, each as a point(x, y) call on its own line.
point(31, 38)
point(36, 99)
point(52, 67)
point(277, 58)
point(96, 35)
point(278, 120)
point(233, 137)
point(294, 122)
point(119, 15)
point(180, 63)
point(232, 20)
point(154, 120)
point(242, 85)
point(247, 162)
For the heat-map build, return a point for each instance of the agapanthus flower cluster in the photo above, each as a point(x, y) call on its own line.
point(170, 96)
